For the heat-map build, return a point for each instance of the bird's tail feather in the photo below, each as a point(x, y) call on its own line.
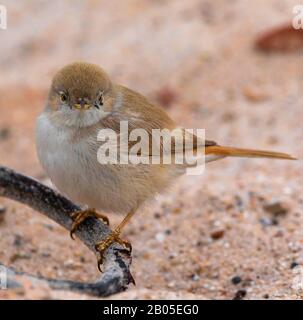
point(246, 153)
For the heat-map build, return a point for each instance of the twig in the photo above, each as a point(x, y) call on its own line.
point(116, 276)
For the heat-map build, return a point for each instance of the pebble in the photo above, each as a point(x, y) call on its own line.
point(255, 94)
point(276, 209)
point(280, 39)
point(69, 263)
point(4, 133)
point(269, 222)
point(48, 226)
point(240, 294)
point(195, 277)
point(45, 254)
point(18, 256)
point(160, 236)
point(2, 213)
point(166, 96)
point(18, 240)
point(171, 284)
point(236, 280)
point(217, 234)
point(239, 201)
point(294, 264)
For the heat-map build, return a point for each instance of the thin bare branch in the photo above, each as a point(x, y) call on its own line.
point(117, 260)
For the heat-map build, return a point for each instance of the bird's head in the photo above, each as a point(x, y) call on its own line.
point(81, 94)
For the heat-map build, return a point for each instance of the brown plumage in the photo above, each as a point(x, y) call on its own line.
point(81, 103)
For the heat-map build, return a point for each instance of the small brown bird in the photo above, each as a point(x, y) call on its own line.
point(82, 102)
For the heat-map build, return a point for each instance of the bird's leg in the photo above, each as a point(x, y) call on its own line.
point(80, 216)
point(114, 236)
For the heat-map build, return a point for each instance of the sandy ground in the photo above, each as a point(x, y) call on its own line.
point(236, 231)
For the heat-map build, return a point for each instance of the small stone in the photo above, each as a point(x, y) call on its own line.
point(48, 226)
point(199, 243)
point(280, 39)
point(294, 264)
point(240, 294)
point(279, 234)
point(157, 215)
point(160, 237)
point(236, 280)
point(177, 210)
point(217, 234)
point(146, 255)
point(18, 240)
point(247, 282)
point(172, 256)
point(45, 254)
point(4, 133)
point(276, 209)
point(19, 256)
point(255, 94)
point(239, 202)
point(166, 96)
point(269, 222)
point(2, 213)
point(274, 221)
point(195, 277)
point(70, 263)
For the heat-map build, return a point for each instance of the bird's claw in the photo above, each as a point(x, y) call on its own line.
point(103, 245)
point(80, 216)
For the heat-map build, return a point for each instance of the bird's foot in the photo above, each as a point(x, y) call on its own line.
point(103, 245)
point(80, 216)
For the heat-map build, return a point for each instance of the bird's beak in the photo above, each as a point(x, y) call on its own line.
point(82, 106)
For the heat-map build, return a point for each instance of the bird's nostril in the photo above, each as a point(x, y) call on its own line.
point(82, 100)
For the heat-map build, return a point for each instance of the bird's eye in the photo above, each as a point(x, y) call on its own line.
point(100, 99)
point(63, 97)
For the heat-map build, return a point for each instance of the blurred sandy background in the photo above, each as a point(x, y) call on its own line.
point(241, 222)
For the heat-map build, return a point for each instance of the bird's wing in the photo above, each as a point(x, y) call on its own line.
point(142, 114)
point(149, 123)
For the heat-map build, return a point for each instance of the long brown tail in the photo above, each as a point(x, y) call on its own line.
point(246, 153)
